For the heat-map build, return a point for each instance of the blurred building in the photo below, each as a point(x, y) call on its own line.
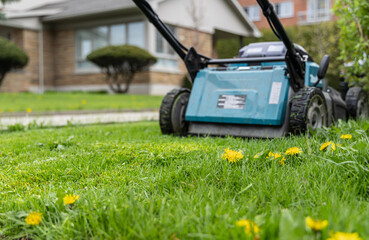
point(291, 12)
point(58, 35)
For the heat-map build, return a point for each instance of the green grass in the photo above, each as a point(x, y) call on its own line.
point(53, 101)
point(135, 183)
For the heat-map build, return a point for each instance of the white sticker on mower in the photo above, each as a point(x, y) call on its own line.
point(231, 101)
point(275, 93)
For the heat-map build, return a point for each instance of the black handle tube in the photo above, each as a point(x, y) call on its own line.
point(268, 11)
point(294, 62)
point(146, 9)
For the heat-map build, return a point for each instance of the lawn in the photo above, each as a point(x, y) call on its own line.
point(134, 183)
point(55, 101)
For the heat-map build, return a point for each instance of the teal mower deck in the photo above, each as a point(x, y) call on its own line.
point(270, 90)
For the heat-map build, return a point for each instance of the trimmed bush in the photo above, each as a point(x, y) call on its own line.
point(120, 64)
point(11, 57)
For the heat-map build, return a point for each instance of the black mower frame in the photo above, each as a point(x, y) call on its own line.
point(195, 62)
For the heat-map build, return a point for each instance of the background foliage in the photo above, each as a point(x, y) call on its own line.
point(318, 40)
point(354, 38)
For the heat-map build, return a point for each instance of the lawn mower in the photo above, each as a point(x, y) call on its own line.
point(270, 90)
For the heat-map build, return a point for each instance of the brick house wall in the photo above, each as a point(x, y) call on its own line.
point(23, 80)
point(49, 58)
point(298, 7)
point(188, 38)
point(59, 63)
point(63, 64)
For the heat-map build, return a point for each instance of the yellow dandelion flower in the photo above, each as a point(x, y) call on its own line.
point(277, 156)
point(257, 155)
point(250, 227)
point(29, 110)
point(346, 136)
point(232, 156)
point(281, 162)
point(316, 225)
point(344, 236)
point(293, 151)
point(70, 199)
point(34, 218)
point(325, 145)
point(84, 102)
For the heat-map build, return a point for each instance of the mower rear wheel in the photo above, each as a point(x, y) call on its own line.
point(172, 112)
point(308, 110)
point(357, 102)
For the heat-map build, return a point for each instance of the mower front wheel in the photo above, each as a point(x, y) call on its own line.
point(357, 102)
point(308, 110)
point(172, 112)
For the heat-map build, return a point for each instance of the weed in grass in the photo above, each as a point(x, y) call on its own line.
point(16, 127)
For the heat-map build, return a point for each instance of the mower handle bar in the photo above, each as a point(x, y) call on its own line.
point(244, 60)
point(194, 61)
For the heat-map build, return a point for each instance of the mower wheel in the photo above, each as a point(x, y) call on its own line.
point(357, 102)
point(308, 110)
point(172, 112)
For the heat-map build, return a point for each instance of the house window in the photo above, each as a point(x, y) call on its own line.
point(253, 12)
point(318, 10)
point(167, 58)
point(88, 40)
point(7, 34)
point(118, 34)
point(284, 9)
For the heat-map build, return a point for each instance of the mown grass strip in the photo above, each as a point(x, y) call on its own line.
point(30, 103)
point(134, 183)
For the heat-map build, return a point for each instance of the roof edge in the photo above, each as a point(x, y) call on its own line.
point(240, 10)
point(78, 15)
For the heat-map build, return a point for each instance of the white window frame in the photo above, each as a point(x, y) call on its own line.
point(253, 12)
point(7, 34)
point(168, 53)
point(94, 68)
point(314, 13)
point(280, 5)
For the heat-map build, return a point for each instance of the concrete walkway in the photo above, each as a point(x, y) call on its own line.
point(79, 118)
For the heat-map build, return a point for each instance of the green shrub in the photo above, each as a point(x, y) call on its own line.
point(120, 63)
point(318, 40)
point(11, 57)
point(353, 25)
